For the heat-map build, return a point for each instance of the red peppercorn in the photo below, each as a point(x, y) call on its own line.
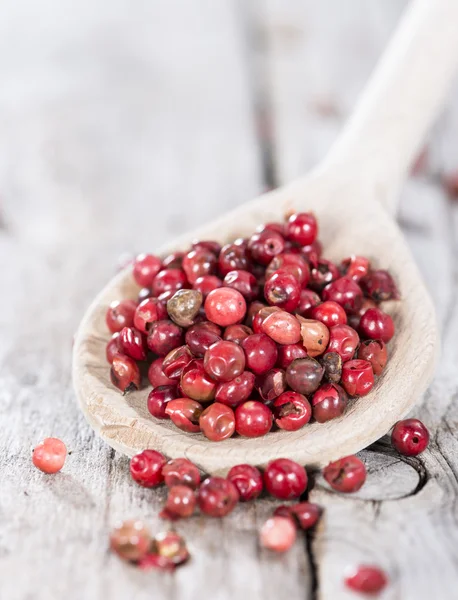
point(261, 353)
point(302, 229)
point(233, 257)
point(410, 437)
point(345, 475)
point(244, 282)
point(307, 301)
point(206, 284)
point(113, 347)
point(344, 340)
point(132, 343)
point(282, 327)
point(293, 263)
point(366, 579)
point(201, 336)
point(253, 419)
point(197, 263)
point(262, 315)
point(232, 393)
point(185, 414)
point(289, 352)
point(156, 376)
point(312, 252)
point(224, 361)
point(247, 480)
point(176, 361)
point(131, 540)
point(120, 315)
point(173, 261)
point(304, 375)
point(49, 455)
point(355, 267)
point(380, 286)
point(211, 245)
point(196, 383)
point(217, 422)
point(315, 336)
point(237, 333)
point(292, 411)
point(158, 399)
point(164, 336)
point(285, 479)
point(181, 471)
point(357, 377)
point(305, 514)
point(278, 534)
point(180, 504)
point(169, 280)
point(330, 313)
point(329, 401)
point(283, 290)
point(125, 373)
point(376, 353)
point(264, 245)
point(217, 497)
point(355, 318)
point(147, 312)
point(271, 384)
point(225, 306)
point(376, 325)
point(345, 292)
point(145, 269)
point(171, 546)
point(146, 468)
point(322, 273)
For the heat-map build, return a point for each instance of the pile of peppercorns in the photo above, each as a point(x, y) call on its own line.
point(262, 332)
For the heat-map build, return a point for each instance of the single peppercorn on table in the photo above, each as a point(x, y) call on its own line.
point(98, 160)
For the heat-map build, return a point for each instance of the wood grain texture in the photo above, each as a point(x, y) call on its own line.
point(103, 106)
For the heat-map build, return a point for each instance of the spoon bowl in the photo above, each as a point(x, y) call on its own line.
point(353, 194)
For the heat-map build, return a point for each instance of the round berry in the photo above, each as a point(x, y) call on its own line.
point(283, 290)
point(253, 419)
point(217, 497)
point(244, 282)
point(304, 375)
point(224, 361)
point(247, 480)
point(346, 292)
point(357, 377)
point(282, 327)
point(376, 325)
point(49, 456)
point(329, 402)
point(201, 336)
point(196, 383)
point(185, 414)
point(264, 245)
point(344, 340)
point(180, 504)
point(302, 229)
point(156, 376)
point(217, 422)
point(145, 269)
point(181, 471)
point(278, 534)
point(125, 373)
point(164, 336)
point(120, 315)
point(225, 306)
point(289, 352)
point(132, 343)
point(366, 579)
point(410, 437)
point(285, 479)
point(315, 336)
point(147, 312)
point(146, 468)
point(261, 353)
point(158, 399)
point(169, 280)
point(345, 475)
point(330, 313)
point(234, 392)
point(376, 353)
point(291, 411)
point(131, 540)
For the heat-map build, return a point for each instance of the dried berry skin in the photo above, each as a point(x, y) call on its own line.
point(375, 352)
point(175, 361)
point(248, 481)
point(315, 336)
point(332, 363)
point(125, 373)
point(282, 327)
point(410, 437)
point(183, 307)
point(345, 475)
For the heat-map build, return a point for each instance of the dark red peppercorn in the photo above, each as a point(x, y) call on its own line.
point(217, 422)
point(410, 437)
point(156, 375)
point(307, 301)
point(376, 353)
point(196, 383)
point(197, 263)
point(289, 352)
point(169, 280)
point(357, 377)
point(237, 333)
point(366, 579)
point(232, 393)
point(345, 292)
point(233, 257)
point(146, 468)
point(180, 504)
point(291, 411)
point(217, 497)
point(211, 245)
point(173, 261)
point(147, 312)
point(261, 353)
point(355, 267)
point(345, 475)
point(201, 336)
point(283, 290)
point(113, 347)
point(253, 419)
point(344, 340)
point(329, 401)
point(322, 273)
point(164, 336)
point(330, 313)
point(120, 315)
point(181, 471)
point(247, 480)
point(244, 282)
point(285, 479)
point(176, 361)
point(132, 343)
point(263, 246)
point(125, 373)
point(252, 311)
point(376, 325)
point(302, 229)
point(158, 399)
point(304, 375)
point(292, 263)
point(271, 384)
point(380, 286)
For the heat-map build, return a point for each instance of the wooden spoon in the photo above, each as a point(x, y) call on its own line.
point(352, 193)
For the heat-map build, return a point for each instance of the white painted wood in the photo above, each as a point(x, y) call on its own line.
point(346, 201)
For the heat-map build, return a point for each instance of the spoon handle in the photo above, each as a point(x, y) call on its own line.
point(402, 98)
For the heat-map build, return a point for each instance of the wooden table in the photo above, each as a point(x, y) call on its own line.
point(123, 124)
